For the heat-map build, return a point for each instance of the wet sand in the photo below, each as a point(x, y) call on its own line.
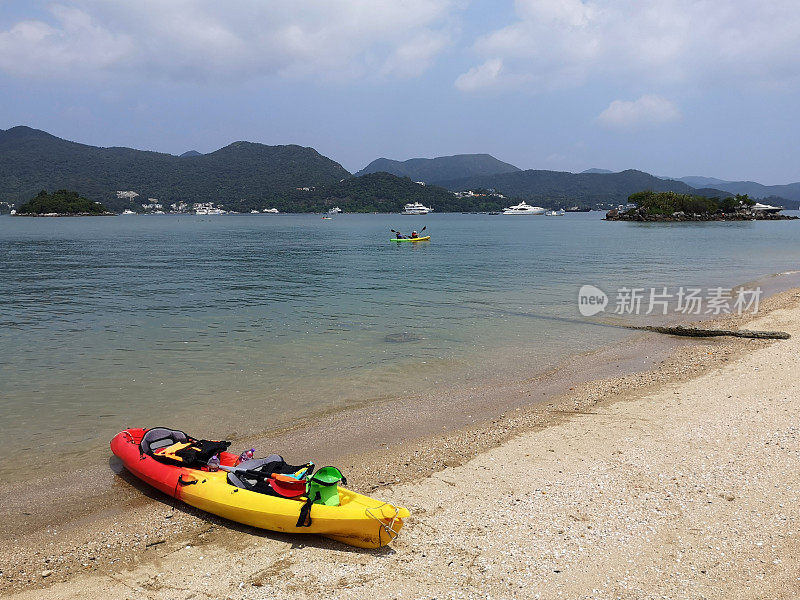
point(137, 528)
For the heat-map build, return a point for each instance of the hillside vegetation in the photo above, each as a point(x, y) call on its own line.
point(376, 192)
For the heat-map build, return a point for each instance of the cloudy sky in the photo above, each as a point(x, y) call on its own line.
point(673, 87)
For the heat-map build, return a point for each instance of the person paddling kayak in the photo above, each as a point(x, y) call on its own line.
point(414, 237)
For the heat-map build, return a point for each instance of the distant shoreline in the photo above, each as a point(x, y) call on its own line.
point(105, 214)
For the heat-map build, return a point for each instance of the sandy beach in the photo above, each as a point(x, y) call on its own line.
point(676, 482)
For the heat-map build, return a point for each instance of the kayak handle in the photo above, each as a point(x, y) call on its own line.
point(385, 523)
point(182, 482)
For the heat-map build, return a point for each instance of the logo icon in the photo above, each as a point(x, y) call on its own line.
point(591, 300)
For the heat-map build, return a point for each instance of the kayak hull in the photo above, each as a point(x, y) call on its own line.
point(358, 521)
point(418, 239)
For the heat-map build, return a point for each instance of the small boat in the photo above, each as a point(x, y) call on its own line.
point(271, 211)
point(555, 213)
point(128, 211)
point(335, 210)
point(416, 208)
point(326, 217)
point(410, 239)
point(523, 209)
point(355, 519)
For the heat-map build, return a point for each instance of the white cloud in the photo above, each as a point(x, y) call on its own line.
point(565, 43)
point(413, 57)
point(481, 77)
point(35, 46)
point(646, 110)
point(200, 40)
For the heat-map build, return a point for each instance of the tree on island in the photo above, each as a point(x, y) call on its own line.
point(62, 202)
point(668, 203)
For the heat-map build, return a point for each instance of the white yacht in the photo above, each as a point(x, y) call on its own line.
point(207, 208)
point(555, 213)
point(765, 208)
point(272, 211)
point(524, 209)
point(335, 210)
point(128, 211)
point(416, 208)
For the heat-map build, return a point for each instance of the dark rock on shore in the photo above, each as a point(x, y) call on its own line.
point(677, 217)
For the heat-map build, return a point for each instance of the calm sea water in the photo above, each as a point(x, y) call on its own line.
point(253, 322)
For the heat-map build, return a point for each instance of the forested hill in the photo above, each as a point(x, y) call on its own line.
point(246, 175)
point(553, 188)
point(442, 168)
point(33, 160)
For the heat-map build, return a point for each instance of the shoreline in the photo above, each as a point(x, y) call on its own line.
point(129, 515)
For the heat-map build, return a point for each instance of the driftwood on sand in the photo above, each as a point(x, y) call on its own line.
point(695, 332)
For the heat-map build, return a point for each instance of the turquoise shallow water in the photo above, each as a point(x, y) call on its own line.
point(244, 323)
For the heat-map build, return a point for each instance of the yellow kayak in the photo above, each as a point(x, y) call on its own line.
point(416, 239)
point(358, 520)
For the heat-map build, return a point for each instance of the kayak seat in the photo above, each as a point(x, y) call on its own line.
point(187, 452)
point(255, 475)
point(241, 480)
point(161, 437)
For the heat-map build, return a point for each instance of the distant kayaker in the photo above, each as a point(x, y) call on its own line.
point(399, 235)
point(414, 234)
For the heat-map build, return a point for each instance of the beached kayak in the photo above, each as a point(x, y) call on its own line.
point(417, 239)
point(358, 520)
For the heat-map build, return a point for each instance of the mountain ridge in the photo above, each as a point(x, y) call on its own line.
point(440, 168)
point(790, 191)
point(249, 175)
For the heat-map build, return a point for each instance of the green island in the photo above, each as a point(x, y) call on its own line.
point(62, 203)
point(673, 206)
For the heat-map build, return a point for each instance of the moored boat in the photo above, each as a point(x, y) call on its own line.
point(416, 208)
point(523, 208)
point(765, 208)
